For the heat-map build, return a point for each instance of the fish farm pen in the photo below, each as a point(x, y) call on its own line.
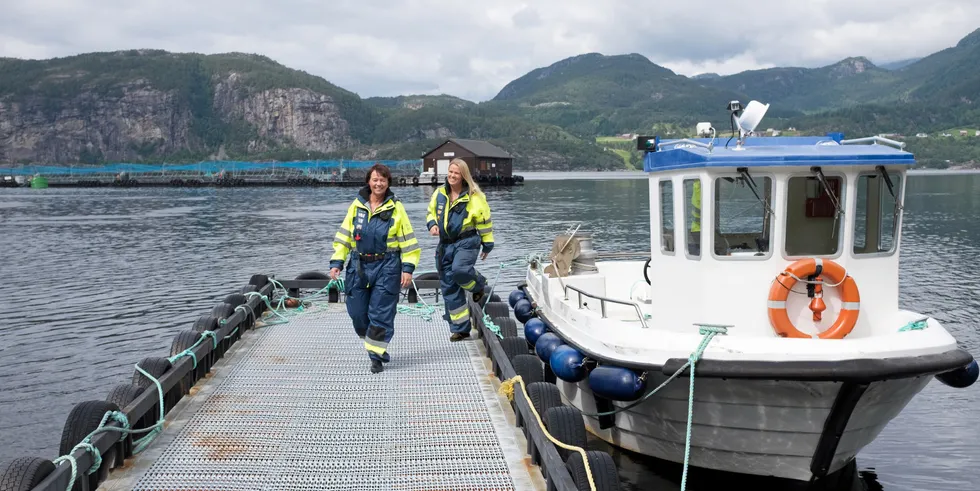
point(270, 389)
point(229, 174)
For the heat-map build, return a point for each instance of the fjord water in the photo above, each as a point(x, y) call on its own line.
point(97, 279)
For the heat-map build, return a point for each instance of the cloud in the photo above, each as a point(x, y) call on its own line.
point(472, 49)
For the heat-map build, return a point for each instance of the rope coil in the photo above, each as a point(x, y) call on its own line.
point(916, 325)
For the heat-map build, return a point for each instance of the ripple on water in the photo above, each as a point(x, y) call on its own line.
point(98, 280)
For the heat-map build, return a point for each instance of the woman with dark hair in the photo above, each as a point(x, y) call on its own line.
point(377, 236)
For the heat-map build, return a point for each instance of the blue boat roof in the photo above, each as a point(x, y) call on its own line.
point(825, 151)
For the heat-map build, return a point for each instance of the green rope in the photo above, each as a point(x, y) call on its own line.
point(142, 443)
point(120, 417)
point(709, 332)
point(916, 325)
point(420, 309)
point(284, 314)
point(494, 328)
point(190, 350)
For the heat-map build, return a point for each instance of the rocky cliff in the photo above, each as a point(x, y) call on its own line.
point(136, 121)
point(74, 110)
point(295, 117)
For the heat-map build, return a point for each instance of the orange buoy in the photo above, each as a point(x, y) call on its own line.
point(837, 275)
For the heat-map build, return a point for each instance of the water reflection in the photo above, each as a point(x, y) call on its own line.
point(98, 279)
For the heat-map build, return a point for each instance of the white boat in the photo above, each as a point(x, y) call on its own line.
point(788, 226)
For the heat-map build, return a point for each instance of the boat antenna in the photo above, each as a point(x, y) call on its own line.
point(735, 108)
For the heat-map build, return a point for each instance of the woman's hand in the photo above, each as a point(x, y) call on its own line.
point(483, 256)
point(406, 280)
point(335, 273)
point(434, 230)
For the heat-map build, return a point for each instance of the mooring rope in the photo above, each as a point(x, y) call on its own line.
point(507, 389)
point(708, 331)
point(138, 445)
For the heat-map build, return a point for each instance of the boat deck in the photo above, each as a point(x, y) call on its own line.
point(294, 406)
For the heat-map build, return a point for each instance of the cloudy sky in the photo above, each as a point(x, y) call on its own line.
point(472, 48)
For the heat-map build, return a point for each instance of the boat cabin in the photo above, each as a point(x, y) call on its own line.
point(726, 220)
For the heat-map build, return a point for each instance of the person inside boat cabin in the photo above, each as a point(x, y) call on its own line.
point(460, 216)
point(377, 237)
point(694, 237)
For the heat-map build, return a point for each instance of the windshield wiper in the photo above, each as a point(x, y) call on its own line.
point(830, 192)
point(891, 188)
point(838, 211)
point(751, 184)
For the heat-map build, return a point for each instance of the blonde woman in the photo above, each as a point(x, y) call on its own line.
point(460, 216)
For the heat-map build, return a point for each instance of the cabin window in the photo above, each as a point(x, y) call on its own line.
point(814, 215)
point(667, 216)
point(692, 216)
point(743, 216)
point(876, 213)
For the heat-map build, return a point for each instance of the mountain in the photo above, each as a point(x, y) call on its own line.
point(593, 94)
point(935, 93)
point(898, 65)
point(414, 102)
point(948, 76)
point(152, 105)
point(848, 82)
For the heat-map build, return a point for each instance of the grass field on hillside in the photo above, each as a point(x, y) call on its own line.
point(612, 139)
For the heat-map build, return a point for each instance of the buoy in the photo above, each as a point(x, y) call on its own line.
point(546, 345)
point(292, 303)
point(568, 364)
point(514, 297)
point(962, 377)
point(523, 310)
point(616, 383)
point(533, 329)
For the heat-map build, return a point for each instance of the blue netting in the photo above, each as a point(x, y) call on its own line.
point(401, 167)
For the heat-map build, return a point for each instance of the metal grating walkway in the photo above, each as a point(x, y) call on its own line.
point(295, 407)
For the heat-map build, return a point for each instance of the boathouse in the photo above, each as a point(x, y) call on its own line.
point(485, 159)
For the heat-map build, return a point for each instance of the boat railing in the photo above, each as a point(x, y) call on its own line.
point(874, 140)
point(602, 303)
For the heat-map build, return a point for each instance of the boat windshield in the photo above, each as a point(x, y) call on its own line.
point(814, 214)
point(877, 212)
point(743, 216)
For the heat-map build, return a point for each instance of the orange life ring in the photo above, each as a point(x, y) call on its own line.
point(835, 275)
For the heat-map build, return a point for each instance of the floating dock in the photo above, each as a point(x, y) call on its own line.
point(259, 396)
point(314, 173)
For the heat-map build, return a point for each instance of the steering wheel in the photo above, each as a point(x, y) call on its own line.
point(646, 266)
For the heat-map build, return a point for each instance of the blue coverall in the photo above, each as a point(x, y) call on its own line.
point(464, 226)
point(381, 246)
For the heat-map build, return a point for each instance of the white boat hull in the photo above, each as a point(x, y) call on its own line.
point(759, 427)
point(763, 405)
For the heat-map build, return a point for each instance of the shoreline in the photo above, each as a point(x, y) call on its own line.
point(636, 174)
